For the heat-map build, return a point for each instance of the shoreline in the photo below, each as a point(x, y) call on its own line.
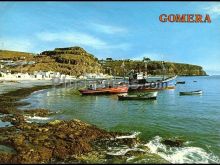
point(57, 141)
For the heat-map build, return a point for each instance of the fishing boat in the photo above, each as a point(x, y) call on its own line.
point(145, 85)
point(140, 81)
point(106, 90)
point(180, 82)
point(141, 96)
point(198, 92)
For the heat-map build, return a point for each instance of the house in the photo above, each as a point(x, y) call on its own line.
point(31, 62)
point(39, 74)
point(22, 75)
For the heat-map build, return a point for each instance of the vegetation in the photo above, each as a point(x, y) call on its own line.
point(119, 67)
point(76, 61)
point(14, 55)
point(72, 60)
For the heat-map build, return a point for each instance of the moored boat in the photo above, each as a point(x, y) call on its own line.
point(109, 90)
point(140, 81)
point(141, 96)
point(198, 92)
point(144, 85)
point(180, 82)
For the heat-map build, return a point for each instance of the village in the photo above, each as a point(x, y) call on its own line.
point(7, 75)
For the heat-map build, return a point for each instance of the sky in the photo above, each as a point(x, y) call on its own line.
point(120, 30)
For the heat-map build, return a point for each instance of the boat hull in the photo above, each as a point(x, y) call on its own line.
point(191, 93)
point(98, 91)
point(154, 86)
point(180, 82)
point(143, 96)
point(135, 98)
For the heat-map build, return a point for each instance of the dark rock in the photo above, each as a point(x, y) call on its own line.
point(48, 142)
point(38, 112)
point(173, 143)
point(6, 158)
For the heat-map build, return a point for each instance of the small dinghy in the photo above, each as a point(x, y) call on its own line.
point(142, 96)
point(180, 82)
point(198, 92)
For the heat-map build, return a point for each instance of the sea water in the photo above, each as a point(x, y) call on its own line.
point(194, 119)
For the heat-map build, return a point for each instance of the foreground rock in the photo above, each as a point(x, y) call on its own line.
point(58, 141)
point(42, 143)
point(173, 143)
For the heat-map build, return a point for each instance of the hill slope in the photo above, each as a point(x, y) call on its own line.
point(153, 68)
point(72, 60)
point(76, 61)
point(14, 55)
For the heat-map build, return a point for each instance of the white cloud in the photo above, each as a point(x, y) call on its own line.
point(213, 10)
point(152, 56)
point(108, 29)
point(23, 45)
point(73, 38)
point(78, 38)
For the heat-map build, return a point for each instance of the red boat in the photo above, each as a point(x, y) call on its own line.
point(110, 90)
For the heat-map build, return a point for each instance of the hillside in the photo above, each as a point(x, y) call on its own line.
point(76, 61)
point(14, 55)
point(153, 68)
point(72, 60)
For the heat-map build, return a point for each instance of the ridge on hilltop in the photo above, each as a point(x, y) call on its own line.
point(119, 67)
point(72, 60)
point(76, 61)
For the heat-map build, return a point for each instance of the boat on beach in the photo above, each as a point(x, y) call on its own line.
point(198, 92)
point(140, 96)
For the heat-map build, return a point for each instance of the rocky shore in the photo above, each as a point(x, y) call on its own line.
point(57, 141)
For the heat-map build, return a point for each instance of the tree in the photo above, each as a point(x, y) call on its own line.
point(146, 59)
point(108, 59)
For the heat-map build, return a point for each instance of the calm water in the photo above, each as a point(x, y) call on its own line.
point(10, 86)
point(195, 119)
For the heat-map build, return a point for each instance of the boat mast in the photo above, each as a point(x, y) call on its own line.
point(164, 70)
point(123, 67)
point(146, 60)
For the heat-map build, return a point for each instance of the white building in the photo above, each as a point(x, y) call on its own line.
point(22, 76)
point(37, 75)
